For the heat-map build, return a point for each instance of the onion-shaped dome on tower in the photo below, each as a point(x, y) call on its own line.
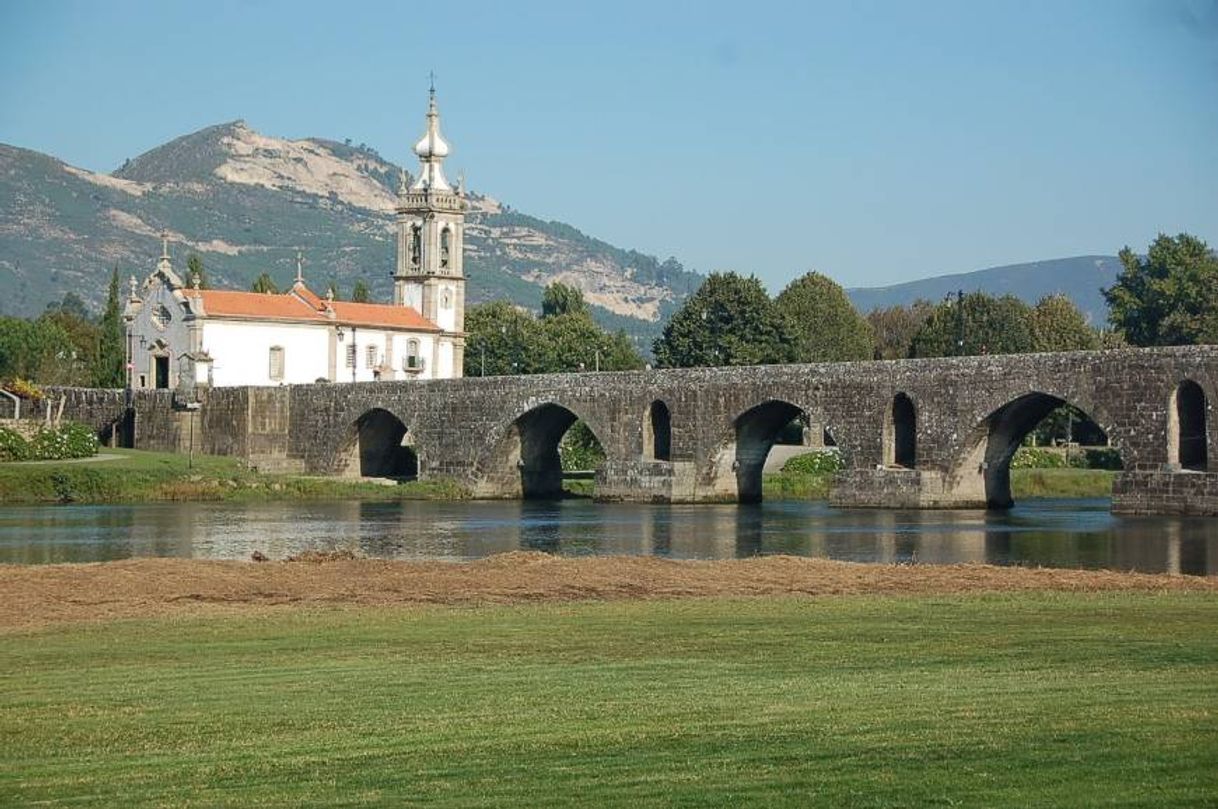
point(431, 151)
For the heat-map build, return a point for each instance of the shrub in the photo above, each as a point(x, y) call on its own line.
point(817, 462)
point(69, 441)
point(23, 389)
point(1104, 458)
point(1037, 458)
point(13, 446)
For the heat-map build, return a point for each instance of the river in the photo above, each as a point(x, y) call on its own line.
point(1051, 533)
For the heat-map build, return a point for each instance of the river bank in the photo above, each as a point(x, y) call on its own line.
point(129, 476)
point(47, 594)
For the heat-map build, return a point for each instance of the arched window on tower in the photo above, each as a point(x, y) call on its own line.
point(416, 245)
point(1187, 446)
point(445, 247)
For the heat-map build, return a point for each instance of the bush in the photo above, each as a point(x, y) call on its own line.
point(23, 389)
point(1037, 458)
point(1104, 458)
point(13, 446)
point(817, 462)
point(69, 441)
point(1043, 458)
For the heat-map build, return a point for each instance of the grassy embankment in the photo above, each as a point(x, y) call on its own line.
point(1004, 700)
point(1025, 484)
point(138, 475)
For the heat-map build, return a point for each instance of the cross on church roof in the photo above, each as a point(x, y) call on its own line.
point(299, 267)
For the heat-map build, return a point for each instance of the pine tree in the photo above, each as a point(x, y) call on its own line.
point(194, 270)
point(266, 284)
point(108, 367)
point(359, 292)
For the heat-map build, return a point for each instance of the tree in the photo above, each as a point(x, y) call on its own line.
point(38, 350)
point(1168, 298)
point(1058, 325)
point(894, 328)
point(359, 292)
point(264, 283)
point(72, 317)
point(560, 299)
point(512, 341)
point(575, 342)
point(729, 321)
point(111, 353)
point(977, 323)
point(71, 305)
point(194, 271)
point(504, 338)
point(824, 324)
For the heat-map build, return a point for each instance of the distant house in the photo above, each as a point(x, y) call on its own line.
point(180, 336)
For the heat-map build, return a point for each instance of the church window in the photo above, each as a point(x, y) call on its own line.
point(371, 352)
point(351, 356)
point(413, 360)
point(161, 317)
point(276, 369)
point(445, 247)
point(416, 245)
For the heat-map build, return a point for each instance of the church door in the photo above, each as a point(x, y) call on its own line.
point(162, 372)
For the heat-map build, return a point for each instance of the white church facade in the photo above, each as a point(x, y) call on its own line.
point(180, 336)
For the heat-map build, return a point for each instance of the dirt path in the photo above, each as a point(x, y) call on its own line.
point(37, 595)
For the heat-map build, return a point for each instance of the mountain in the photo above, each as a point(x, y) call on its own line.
point(1080, 278)
point(246, 202)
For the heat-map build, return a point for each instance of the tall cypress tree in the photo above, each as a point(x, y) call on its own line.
point(108, 370)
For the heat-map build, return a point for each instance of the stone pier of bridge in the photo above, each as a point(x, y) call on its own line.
point(933, 433)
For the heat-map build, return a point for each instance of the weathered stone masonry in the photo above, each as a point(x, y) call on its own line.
point(498, 435)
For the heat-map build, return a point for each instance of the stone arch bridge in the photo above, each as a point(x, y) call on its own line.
point(912, 433)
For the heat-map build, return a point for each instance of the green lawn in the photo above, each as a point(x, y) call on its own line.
point(1012, 700)
point(140, 475)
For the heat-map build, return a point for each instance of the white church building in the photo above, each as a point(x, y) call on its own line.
point(180, 336)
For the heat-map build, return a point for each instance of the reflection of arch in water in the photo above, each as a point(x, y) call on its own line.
point(657, 432)
point(1187, 447)
point(901, 433)
point(993, 442)
point(524, 460)
point(380, 446)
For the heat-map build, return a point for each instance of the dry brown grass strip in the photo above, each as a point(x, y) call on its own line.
point(36, 595)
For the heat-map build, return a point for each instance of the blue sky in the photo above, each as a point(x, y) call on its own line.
point(874, 141)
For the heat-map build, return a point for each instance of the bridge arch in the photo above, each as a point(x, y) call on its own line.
point(657, 432)
point(992, 443)
point(737, 467)
point(1187, 446)
point(901, 433)
point(379, 444)
point(522, 457)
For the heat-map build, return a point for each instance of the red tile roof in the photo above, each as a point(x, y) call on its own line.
point(378, 314)
point(298, 306)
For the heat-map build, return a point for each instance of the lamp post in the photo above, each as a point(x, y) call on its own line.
point(959, 304)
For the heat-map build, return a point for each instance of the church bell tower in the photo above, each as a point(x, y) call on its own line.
point(430, 220)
